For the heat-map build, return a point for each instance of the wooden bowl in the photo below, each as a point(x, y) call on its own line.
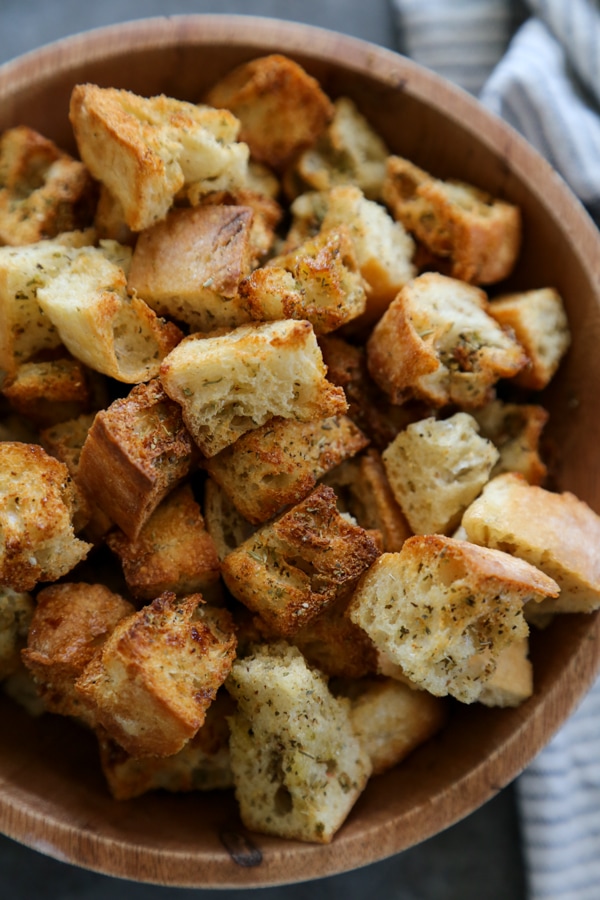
point(53, 795)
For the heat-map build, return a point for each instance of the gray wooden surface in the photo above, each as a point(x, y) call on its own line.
point(478, 858)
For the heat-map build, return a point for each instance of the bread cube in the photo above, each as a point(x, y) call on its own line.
point(43, 192)
point(556, 532)
point(188, 266)
point(437, 342)
point(70, 623)
point(22, 690)
point(384, 251)
point(515, 429)
point(99, 323)
point(349, 151)
point(391, 719)
point(49, 392)
point(225, 524)
point(203, 764)
point(109, 220)
point(173, 551)
point(436, 468)
point(155, 677)
point(444, 609)
point(479, 233)
point(540, 324)
point(228, 384)
point(37, 501)
point(298, 767)
point(318, 281)
point(145, 149)
point(291, 569)
point(278, 464)
point(281, 108)
point(16, 610)
point(511, 683)
point(266, 215)
point(136, 451)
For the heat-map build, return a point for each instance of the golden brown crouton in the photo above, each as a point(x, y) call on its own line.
point(228, 384)
point(16, 610)
point(173, 551)
point(437, 342)
point(267, 213)
point(290, 570)
point(480, 234)
point(136, 451)
point(444, 609)
point(511, 683)
point(297, 764)
point(43, 191)
point(556, 532)
point(50, 392)
point(70, 623)
point(540, 324)
point(203, 764)
point(146, 149)
point(226, 525)
point(282, 109)
point(318, 281)
point(391, 719)
point(515, 429)
point(277, 465)
point(37, 501)
point(109, 220)
point(21, 689)
point(189, 265)
point(436, 468)
point(348, 152)
point(158, 673)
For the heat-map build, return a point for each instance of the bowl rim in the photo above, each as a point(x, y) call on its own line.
point(290, 861)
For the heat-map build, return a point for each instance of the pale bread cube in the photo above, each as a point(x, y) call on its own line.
point(226, 525)
point(512, 681)
point(436, 468)
point(298, 767)
point(443, 610)
point(515, 429)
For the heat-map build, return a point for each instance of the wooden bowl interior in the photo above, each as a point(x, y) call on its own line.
point(53, 795)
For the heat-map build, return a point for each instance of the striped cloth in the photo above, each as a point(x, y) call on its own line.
point(537, 64)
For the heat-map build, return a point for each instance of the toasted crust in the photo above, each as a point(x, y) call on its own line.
point(279, 464)
point(16, 611)
point(436, 468)
point(515, 429)
point(37, 502)
point(437, 342)
point(70, 623)
point(560, 534)
point(173, 551)
point(230, 383)
point(290, 570)
point(158, 673)
point(44, 191)
point(443, 610)
point(281, 108)
point(49, 392)
point(188, 266)
point(297, 764)
point(480, 234)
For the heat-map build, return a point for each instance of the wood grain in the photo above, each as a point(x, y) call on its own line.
point(52, 795)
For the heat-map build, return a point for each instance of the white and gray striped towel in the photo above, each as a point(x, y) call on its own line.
point(537, 64)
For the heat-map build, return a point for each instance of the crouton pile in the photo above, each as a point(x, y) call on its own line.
point(273, 494)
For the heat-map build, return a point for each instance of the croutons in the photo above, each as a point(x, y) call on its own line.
point(437, 342)
point(298, 767)
point(43, 191)
point(146, 149)
point(189, 265)
point(172, 552)
point(70, 623)
point(37, 501)
point(443, 610)
point(281, 108)
point(436, 468)
point(50, 391)
point(511, 682)
point(16, 610)
point(480, 234)
point(277, 465)
point(318, 281)
point(136, 451)
point(515, 429)
point(228, 384)
point(559, 534)
point(539, 321)
point(158, 672)
point(266, 215)
point(226, 525)
point(290, 570)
